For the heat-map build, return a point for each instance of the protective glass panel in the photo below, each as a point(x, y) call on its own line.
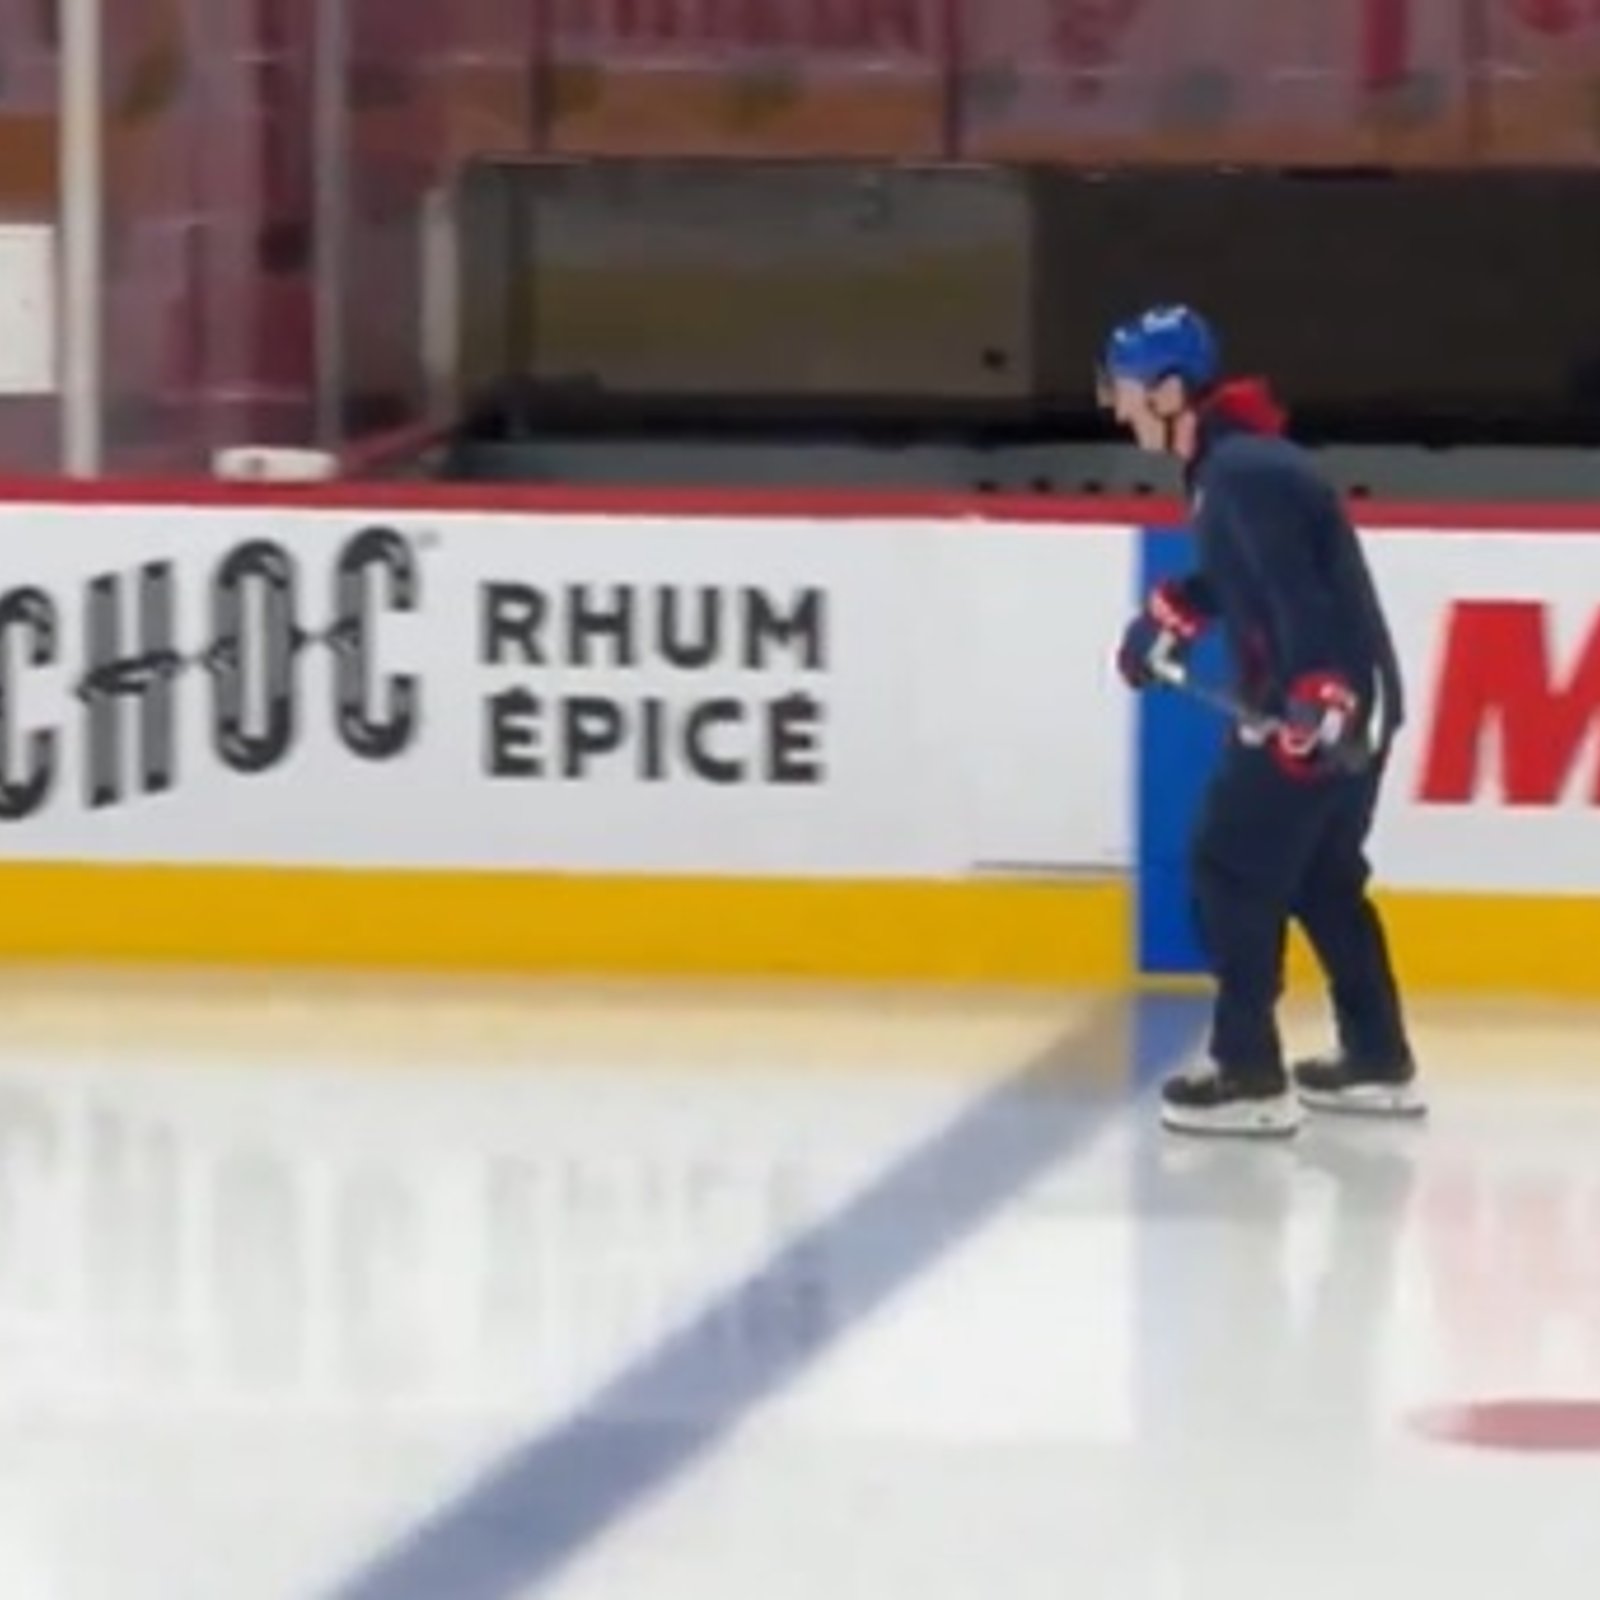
point(30, 101)
point(206, 290)
point(290, 228)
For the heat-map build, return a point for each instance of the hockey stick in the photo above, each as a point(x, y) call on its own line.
point(1256, 726)
point(1255, 723)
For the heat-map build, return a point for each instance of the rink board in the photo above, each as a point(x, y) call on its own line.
point(1505, 944)
point(999, 932)
point(562, 738)
point(741, 735)
point(986, 932)
point(1486, 850)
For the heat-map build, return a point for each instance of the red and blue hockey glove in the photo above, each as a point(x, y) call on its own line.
point(1162, 634)
point(1317, 732)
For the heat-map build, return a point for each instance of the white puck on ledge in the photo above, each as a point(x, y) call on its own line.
point(252, 463)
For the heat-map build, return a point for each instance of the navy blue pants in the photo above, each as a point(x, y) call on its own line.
point(1267, 849)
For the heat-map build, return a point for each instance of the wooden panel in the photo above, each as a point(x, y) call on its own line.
point(791, 77)
point(28, 165)
point(1542, 81)
point(1298, 82)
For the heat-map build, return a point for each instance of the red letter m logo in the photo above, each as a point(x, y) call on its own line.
point(1496, 678)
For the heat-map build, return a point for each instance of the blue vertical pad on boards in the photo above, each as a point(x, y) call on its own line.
point(1179, 741)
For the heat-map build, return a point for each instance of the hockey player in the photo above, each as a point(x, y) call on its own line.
point(1282, 830)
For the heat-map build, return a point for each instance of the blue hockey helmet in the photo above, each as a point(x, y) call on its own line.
point(1163, 342)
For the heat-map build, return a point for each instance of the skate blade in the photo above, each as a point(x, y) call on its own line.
point(1368, 1100)
point(1279, 1118)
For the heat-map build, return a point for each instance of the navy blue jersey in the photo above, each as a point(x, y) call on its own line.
point(1281, 566)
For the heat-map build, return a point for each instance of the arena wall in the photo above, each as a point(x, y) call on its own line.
point(727, 735)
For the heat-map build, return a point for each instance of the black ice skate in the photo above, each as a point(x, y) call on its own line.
point(1340, 1083)
point(1208, 1101)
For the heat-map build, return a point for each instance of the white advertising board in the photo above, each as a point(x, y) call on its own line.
point(1495, 784)
point(572, 693)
